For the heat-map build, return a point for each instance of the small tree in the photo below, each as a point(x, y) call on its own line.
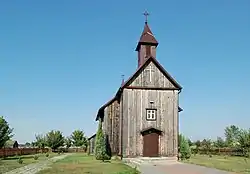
point(68, 142)
point(9, 143)
point(219, 143)
point(33, 144)
point(184, 148)
point(5, 132)
point(40, 141)
point(197, 143)
point(244, 141)
point(100, 145)
point(206, 144)
point(15, 145)
point(54, 139)
point(232, 133)
point(190, 142)
point(27, 144)
point(78, 138)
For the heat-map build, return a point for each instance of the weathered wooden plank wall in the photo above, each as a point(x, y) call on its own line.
point(158, 80)
point(135, 103)
point(92, 145)
point(111, 125)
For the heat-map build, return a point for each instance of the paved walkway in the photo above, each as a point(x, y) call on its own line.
point(179, 168)
point(36, 167)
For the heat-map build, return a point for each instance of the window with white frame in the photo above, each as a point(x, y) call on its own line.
point(151, 114)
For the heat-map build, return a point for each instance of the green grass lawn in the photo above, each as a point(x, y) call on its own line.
point(81, 163)
point(228, 163)
point(11, 163)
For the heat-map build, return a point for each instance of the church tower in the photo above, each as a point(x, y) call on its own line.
point(147, 44)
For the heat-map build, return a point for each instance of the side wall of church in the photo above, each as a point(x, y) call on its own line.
point(92, 145)
point(111, 125)
point(134, 103)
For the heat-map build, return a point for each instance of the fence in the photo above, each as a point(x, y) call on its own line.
point(220, 151)
point(6, 152)
point(72, 150)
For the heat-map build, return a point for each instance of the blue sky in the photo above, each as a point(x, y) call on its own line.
point(61, 60)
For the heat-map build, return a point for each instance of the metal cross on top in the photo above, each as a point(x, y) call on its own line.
point(146, 14)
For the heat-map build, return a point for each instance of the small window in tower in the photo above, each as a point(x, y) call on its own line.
point(151, 114)
point(148, 50)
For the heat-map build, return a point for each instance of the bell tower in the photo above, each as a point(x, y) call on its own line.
point(147, 44)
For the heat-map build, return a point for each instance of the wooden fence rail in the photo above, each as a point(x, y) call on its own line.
point(6, 152)
point(220, 151)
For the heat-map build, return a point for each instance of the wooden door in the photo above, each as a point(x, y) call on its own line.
point(151, 145)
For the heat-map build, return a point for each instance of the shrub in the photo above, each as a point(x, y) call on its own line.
point(116, 157)
point(15, 145)
point(100, 145)
point(20, 160)
point(35, 157)
point(185, 151)
point(47, 155)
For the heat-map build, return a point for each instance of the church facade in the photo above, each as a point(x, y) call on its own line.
point(142, 119)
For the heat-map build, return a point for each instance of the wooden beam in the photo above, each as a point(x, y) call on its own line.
point(150, 88)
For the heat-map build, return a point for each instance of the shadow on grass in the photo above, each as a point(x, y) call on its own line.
point(17, 157)
point(106, 161)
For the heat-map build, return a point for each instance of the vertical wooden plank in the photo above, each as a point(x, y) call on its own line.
point(130, 120)
point(137, 121)
point(125, 124)
point(135, 108)
point(121, 122)
point(164, 123)
point(142, 119)
point(175, 125)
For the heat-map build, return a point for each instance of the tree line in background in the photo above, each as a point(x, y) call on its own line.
point(53, 139)
point(235, 143)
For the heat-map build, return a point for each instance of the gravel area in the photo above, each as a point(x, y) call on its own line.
point(36, 167)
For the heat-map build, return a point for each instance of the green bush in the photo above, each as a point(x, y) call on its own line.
point(184, 149)
point(101, 152)
point(20, 160)
point(35, 157)
point(47, 155)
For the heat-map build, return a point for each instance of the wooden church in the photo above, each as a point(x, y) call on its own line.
point(142, 119)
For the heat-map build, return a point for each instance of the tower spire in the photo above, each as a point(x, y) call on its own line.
point(147, 44)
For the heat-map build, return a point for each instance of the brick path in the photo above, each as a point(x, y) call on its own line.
point(36, 167)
